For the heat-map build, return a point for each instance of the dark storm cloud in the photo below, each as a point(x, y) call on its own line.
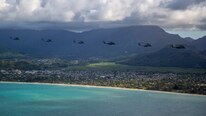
point(201, 27)
point(182, 4)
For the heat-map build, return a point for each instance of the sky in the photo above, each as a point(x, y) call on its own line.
point(185, 17)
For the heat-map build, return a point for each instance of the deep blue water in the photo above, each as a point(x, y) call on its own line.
point(52, 100)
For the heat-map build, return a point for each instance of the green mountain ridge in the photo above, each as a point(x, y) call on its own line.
point(169, 57)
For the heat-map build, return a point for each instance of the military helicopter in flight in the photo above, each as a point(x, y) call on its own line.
point(109, 43)
point(142, 44)
point(177, 46)
point(15, 38)
point(47, 40)
point(78, 42)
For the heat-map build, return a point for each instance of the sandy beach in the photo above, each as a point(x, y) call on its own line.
point(104, 87)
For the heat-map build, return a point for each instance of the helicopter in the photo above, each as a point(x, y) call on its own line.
point(78, 42)
point(109, 43)
point(15, 38)
point(177, 46)
point(47, 40)
point(142, 44)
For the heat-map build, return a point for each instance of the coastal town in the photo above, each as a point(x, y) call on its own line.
point(180, 82)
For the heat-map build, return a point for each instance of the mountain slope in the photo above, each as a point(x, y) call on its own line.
point(62, 45)
point(169, 57)
point(200, 43)
point(189, 39)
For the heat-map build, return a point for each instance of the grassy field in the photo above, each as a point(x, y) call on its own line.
point(114, 66)
point(10, 55)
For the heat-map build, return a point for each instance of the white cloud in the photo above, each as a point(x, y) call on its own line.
point(3, 4)
point(191, 16)
point(156, 12)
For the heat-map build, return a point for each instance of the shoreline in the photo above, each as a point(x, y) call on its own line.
point(102, 87)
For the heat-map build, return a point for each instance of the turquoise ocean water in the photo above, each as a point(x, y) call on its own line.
point(53, 100)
